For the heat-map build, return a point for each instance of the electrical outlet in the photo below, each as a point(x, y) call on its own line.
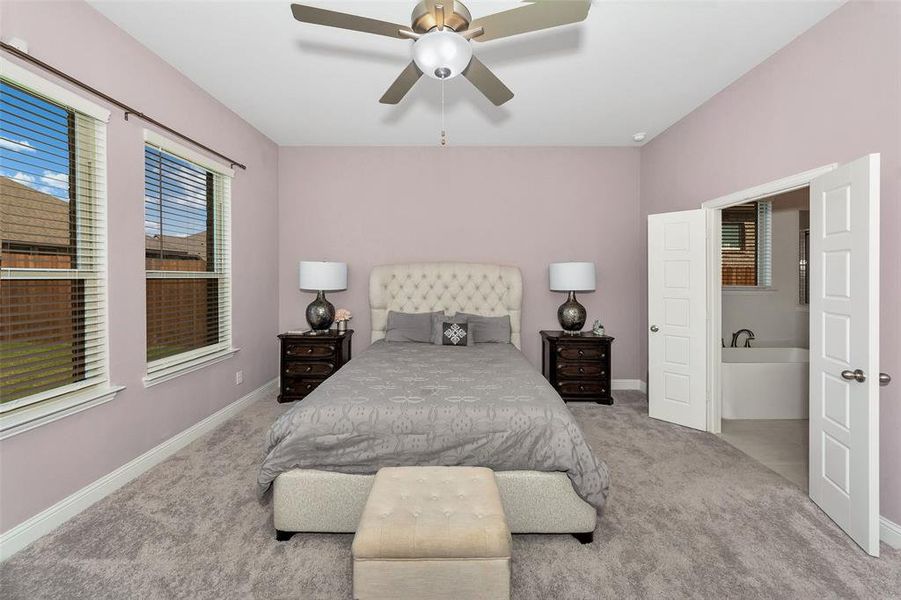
point(239, 377)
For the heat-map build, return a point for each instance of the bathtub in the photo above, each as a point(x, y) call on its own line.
point(765, 383)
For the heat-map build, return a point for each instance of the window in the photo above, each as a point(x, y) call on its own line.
point(747, 244)
point(186, 237)
point(53, 333)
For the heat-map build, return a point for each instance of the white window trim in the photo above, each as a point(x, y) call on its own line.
point(48, 411)
point(46, 407)
point(170, 367)
point(165, 369)
point(43, 87)
point(163, 143)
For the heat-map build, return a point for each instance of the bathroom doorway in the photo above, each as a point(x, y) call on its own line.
point(765, 330)
point(843, 327)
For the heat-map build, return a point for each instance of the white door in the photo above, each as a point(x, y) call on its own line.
point(677, 318)
point(844, 348)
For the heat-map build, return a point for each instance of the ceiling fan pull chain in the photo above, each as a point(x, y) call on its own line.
point(443, 128)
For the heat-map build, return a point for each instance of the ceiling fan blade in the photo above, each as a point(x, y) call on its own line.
point(487, 82)
point(330, 18)
point(402, 84)
point(542, 14)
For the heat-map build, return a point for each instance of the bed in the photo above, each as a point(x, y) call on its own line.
point(408, 403)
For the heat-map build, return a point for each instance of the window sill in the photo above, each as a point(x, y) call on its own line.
point(749, 290)
point(29, 417)
point(177, 368)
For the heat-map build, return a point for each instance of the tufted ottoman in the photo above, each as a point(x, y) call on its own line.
point(431, 533)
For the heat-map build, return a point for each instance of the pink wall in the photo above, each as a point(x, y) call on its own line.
point(518, 206)
point(44, 465)
point(822, 99)
point(832, 95)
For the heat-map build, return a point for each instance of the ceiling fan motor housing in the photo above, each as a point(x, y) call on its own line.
point(424, 20)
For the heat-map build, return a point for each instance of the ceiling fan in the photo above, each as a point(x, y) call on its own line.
point(442, 31)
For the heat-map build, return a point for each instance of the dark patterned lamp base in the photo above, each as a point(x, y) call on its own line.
point(320, 313)
point(571, 315)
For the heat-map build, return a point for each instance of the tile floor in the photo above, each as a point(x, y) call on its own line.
point(780, 445)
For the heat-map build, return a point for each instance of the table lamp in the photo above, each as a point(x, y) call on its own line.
point(322, 277)
point(572, 277)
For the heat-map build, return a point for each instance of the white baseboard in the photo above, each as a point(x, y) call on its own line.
point(629, 384)
point(49, 519)
point(890, 533)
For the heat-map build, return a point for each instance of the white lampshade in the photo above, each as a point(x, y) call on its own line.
point(572, 277)
point(324, 276)
point(442, 54)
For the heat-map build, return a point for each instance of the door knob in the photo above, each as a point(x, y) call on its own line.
point(654, 329)
point(884, 379)
point(855, 375)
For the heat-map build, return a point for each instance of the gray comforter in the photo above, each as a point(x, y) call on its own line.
point(422, 404)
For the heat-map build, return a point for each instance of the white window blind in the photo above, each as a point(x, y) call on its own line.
point(747, 232)
point(187, 259)
point(53, 330)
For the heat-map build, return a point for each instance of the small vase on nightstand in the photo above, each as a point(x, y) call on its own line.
point(341, 326)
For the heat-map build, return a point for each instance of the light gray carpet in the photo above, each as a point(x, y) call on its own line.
point(688, 516)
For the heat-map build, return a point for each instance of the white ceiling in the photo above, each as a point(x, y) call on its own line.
point(631, 66)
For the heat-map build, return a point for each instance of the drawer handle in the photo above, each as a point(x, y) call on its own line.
point(581, 370)
point(331, 348)
point(309, 351)
point(581, 353)
point(581, 388)
point(308, 369)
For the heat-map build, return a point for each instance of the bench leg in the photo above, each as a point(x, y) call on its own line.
point(584, 538)
point(283, 536)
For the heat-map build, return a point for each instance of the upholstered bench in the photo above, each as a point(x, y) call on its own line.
point(430, 533)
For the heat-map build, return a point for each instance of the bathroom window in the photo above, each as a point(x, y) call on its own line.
point(747, 245)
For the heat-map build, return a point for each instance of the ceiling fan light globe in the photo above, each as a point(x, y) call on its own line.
point(442, 54)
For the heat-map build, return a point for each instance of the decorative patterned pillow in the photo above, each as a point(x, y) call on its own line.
point(455, 334)
point(438, 319)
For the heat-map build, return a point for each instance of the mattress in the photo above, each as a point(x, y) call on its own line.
point(400, 404)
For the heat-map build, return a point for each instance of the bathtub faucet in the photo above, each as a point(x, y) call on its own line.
point(736, 335)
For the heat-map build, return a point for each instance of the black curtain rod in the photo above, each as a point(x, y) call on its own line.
point(128, 110)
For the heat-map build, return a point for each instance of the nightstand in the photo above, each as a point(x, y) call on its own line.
point(577, 366)
point(308, 360)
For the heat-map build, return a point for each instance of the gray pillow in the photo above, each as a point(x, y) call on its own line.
point(410, 327)
point(487, 330)
point(438, 320)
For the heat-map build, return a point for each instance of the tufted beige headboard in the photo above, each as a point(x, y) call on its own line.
point(491, 290)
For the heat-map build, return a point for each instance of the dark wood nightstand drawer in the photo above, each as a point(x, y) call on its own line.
point(297, 388)
point(308, 369)
point(581, 352)
point(307, 349)
point(583, 388)
point(575, 370)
